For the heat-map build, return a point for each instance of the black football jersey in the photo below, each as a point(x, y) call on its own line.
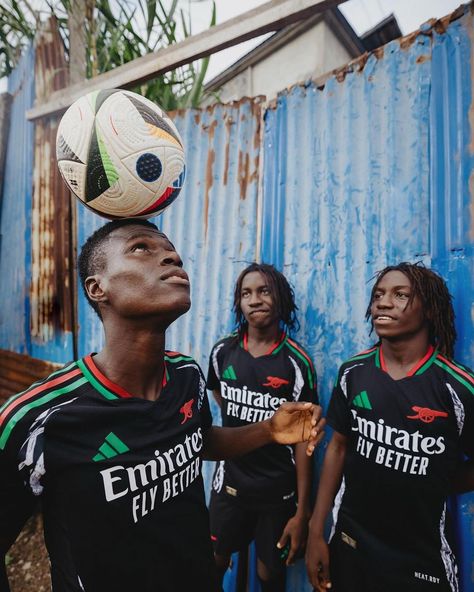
point(119, 477)
point(252, 389)
point(405, 439)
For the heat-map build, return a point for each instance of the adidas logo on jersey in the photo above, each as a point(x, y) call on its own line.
point(229, 373)
point(362, 401)
point(112, 446)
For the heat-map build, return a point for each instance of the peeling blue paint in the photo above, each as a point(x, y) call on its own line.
point(368, 172)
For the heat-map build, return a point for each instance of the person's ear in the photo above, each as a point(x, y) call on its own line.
point(94, 289)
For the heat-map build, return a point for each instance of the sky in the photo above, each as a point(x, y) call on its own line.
point(361, 14)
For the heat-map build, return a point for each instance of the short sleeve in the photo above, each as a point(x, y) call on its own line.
point(338, 415)
point(203, 402)
point(206, 416)
point(310, 388)
point(213, 382)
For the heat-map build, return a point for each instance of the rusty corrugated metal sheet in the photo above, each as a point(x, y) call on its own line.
point(369, 167)
point(51, 300)
point(213, 223)
point(5, 102)
point(15, 214)
point(452, 209)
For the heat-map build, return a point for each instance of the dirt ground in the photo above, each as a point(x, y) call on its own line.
point(27, 560)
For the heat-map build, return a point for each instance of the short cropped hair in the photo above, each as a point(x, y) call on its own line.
point(282, 294)
point(436, 300)
point(92, 257)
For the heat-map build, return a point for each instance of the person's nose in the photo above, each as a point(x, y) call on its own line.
point(384, 301)
point(254, 299)
point(171, 258)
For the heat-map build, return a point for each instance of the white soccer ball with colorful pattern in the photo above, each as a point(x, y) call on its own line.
point(120, 154)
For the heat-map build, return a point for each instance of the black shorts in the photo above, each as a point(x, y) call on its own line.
point(236, 522)
point(352, 570)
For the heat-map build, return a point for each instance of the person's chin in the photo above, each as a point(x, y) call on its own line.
point(175, 307)
point(183, 305)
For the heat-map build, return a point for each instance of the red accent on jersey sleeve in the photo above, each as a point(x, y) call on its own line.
point(36, 391)
point(456, 368)
point(302, 352)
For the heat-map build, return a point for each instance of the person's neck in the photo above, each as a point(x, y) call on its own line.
point(134, 359)
point(400, 356)
point(260, 339)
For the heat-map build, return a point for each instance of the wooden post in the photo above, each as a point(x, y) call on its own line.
point(77, 41)
point(80, 12)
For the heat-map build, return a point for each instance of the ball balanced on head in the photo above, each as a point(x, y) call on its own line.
point(120, 154)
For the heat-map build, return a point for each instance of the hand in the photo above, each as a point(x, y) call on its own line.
point(298, 422)
point(317, 563)
point(294, 534)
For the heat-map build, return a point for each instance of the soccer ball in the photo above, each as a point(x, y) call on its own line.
point(120, 154)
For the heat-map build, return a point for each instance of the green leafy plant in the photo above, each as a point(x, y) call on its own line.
point(116, 33)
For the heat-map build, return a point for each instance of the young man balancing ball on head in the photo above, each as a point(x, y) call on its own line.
point(403, 419)
point(263, 495)
point(113, 442)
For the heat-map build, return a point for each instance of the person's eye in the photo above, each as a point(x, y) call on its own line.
point(265, 291)
point(403, 295)
point(139, 247)
point(377, 296)
point(245, 294)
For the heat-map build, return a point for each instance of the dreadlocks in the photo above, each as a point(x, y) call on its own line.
point(281, 291)
point(435, 297)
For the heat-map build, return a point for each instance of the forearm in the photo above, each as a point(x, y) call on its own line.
point(223, 443)
point(330, 481)
point(290, 424)
point(217, 396)
point(304, 466)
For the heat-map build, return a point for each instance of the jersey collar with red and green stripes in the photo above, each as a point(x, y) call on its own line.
point(432, 356)
point(274, 348)
point(376, 353)
point(63, 385)
point(111, 390)
point(418, 368)
point(282, 341)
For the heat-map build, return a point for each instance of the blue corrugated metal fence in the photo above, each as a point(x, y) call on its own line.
point(362, 172)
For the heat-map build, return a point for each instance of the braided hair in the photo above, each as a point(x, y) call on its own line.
point(437, 303)
point(282, 293)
